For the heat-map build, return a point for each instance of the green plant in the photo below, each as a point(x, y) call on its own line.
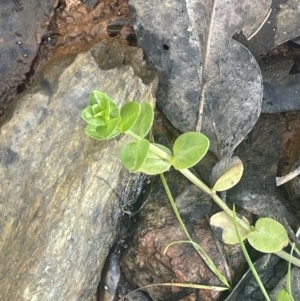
point(106, 121)
point(286, 295)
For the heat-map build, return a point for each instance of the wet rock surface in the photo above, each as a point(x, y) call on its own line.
point(20, 27)
point(61, 192)
point(32, 33)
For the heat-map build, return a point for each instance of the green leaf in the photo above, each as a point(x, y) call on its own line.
point(269, 236)
point(134, 154)
point(87, 115)
point(284, 296)
point(98, 111)
point(129, 114)
point(110, 129)
point(227, 173)
point(114, 111)
point(128, 153)
point(90, 130)
point(145, 120)
point(153, 164)
point(105, 103)
point(189, 149)
point(99, 98)
point(222, 221)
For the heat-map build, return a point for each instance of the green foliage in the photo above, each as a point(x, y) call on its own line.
point(154, 164)
point(133, 155)
point(105, 121)
point(247, 257)
point(284, 296)
point(144, 121)
point(223, 221)
point(268, 236)
point(106, 105)
point(189, 149)
point(129, 115)
point(102, 117)
point(228, 172)
point(89, 115)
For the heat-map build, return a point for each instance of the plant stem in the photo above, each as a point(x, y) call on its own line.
point(153, 148)
point(286, 256)
point(193, 179)
point(244, 250)
point(173, 205)
point(197, 247)
point(214, 196)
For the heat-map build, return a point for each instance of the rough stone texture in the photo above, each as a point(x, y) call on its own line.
point(281, 89)
point(281, 26)
point(270, 269)
point(61, 191)
point(208, 81)
point(162, 31)
point(144, 261)
point(261, 153)
point(295, 285)
point(20, 34)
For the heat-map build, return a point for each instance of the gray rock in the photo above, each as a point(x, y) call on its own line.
point(270, 269)
point(208, 81)
point(281, 89)
point(295, 285)
point(296, 40)
point(281, 26)
point(162, 29)
point(61, 191)
point(192, 203)
point(261, 153)
point(20, 35)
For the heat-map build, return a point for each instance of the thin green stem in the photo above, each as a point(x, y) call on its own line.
point(193, 179)
point(286, 256)
point(173, 205)
point(244, 250)
point(214, 196)
point(288, 276)
point(153, 148)
point(198, 248)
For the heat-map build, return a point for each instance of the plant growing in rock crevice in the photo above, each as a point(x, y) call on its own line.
point(106, 121)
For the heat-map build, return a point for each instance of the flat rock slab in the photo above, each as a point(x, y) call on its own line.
point(61, 191)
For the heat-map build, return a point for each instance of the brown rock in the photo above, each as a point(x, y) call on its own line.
point(145, 262)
